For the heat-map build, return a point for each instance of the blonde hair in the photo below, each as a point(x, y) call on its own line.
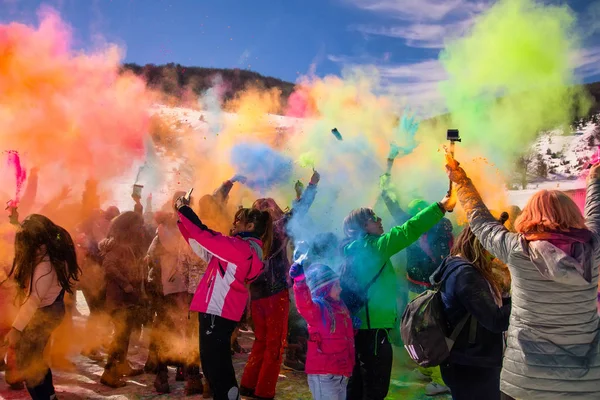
point(549, 210)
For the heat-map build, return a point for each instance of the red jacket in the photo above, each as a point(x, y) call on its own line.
point(328, 352)
point(232, 263)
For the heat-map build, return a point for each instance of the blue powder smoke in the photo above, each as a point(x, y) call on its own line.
point(261, 165)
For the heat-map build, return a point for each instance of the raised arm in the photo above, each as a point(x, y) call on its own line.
point(491, 233)
point(201, 238)
point(301, 206)
point(310, 311)
point(402, 236)
point(592, 200)
point(391, 200)
point(221, 195)
point(28, 198)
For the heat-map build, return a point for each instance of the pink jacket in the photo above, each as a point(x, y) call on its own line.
point(232, 263)
point(328, 352)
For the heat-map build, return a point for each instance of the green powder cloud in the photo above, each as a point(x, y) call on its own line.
point(512, 76)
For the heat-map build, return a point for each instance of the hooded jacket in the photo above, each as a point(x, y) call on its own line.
point(330, 351)
point(232, 263)
point(465, 290)
point(368, 254)
point(553, 341)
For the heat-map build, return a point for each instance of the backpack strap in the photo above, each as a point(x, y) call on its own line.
point(456, 331)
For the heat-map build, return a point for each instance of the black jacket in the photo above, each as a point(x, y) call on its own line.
point(464, 291)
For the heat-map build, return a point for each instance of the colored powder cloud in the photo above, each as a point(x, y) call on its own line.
point(65, 111)
point(263, 166)
point(512, 77)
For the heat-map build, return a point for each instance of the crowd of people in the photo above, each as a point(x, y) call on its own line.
point(525, 289)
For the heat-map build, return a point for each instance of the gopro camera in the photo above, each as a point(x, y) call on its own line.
point(453, 135)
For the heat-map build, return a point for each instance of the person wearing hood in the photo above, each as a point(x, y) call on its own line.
point(553, 339)
point(123, 252)
point(221, 297)
point(368, 251)
point(472, 292)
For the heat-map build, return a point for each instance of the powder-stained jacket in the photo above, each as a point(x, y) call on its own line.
point(124, 275)
point(368, 254)
point(232, 263)
point(553, 341)
point(328, 352)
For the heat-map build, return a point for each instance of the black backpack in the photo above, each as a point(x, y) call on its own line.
point(425, 330)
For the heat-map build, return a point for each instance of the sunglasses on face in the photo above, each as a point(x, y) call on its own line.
point(375, 218)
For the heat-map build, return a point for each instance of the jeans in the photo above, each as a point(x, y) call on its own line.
point(215, 354)
point(328, 387)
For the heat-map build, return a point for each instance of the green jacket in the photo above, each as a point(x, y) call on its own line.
point(368, 254)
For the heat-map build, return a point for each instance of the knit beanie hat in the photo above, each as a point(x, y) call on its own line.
point(319, 276)
point(416, 206)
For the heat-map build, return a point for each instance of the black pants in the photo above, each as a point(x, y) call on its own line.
point(215, 355)
point(30, 349)
point(124, 320)
point(370, 379)
point(468, 382)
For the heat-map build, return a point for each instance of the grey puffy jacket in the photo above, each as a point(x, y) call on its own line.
point(553, 340)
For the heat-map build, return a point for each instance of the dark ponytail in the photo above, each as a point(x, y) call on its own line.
point(263, 226)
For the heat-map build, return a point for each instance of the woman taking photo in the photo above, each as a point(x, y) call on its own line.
point(553, 340)
point(221, 297)
point(44, 268)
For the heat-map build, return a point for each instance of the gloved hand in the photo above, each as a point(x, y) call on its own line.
point(299, 188)
point(316, 177)
point(181, 201)
point(394, 151)
point(296, 270)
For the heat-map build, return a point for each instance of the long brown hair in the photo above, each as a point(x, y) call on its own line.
point(549, 210)
point(263, 226)
point(38, 232)
point(470, 248)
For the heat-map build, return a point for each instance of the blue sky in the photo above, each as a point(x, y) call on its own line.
point(288, 38)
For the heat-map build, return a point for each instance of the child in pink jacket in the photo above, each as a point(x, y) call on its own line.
point(330, 357)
